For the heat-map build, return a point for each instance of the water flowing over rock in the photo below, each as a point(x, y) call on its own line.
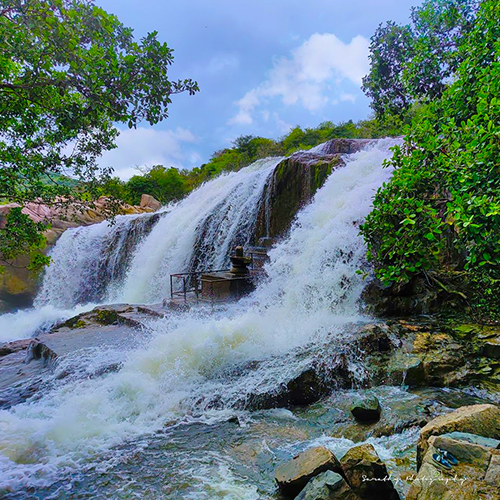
point(131, 260)
point(90, 261)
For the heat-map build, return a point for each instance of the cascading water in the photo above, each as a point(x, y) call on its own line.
point(199, 233)
point(87, 261)
point(312, 291)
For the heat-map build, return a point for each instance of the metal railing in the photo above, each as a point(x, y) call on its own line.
point(191, 285)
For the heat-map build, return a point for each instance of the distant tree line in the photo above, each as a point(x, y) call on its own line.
point(168, 184)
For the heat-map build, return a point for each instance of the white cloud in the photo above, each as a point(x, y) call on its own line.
point(306, 77)
point(145, 147)
point(223, 62)
point(344, 97)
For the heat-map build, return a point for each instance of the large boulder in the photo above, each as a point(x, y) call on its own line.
point(483, 420)
point(148, 202)
point(293, 475)
point(476, 476)
point(367, 475)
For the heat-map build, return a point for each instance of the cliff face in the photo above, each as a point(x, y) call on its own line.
point(295, 181)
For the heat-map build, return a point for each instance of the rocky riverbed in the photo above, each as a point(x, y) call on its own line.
point(230, 444)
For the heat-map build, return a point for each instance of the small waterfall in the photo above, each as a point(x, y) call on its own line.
point(88, 261)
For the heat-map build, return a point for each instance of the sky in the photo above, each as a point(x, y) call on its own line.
point(262, 67)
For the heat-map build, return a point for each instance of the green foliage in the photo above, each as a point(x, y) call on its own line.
point(22, 235)
point(413, 63)
point(68, 72)
point(441, 209)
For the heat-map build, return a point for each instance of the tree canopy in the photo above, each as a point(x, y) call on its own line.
point(415, 62)
point(69, 72)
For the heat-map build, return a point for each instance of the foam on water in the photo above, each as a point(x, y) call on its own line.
point(312, 290)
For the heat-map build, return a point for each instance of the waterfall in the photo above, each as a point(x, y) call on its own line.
point(198, 233)
point(87, 261)
point(312, 291)
point(131, 260)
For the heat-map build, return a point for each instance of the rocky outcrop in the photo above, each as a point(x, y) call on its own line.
point(476, 475)
point(292, 476)
point(25, 364)
point(118, 314)
point(295, 181)
point(316, 474)
point(482, 420)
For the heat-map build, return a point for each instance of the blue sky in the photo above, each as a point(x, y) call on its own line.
point(262, 67)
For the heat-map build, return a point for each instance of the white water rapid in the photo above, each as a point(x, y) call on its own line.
point(312, 291)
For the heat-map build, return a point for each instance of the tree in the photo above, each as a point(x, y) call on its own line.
point(390, 49)
point(69, 72)
point(415, 62)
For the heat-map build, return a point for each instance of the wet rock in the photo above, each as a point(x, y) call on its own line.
point(491, 348)
point(374, 338)
point(476, 476)
point(293, 476)
point(407, 369)
point(39, 351)
point(483, 420)
point(14, 346)
point(366, 409)
point(306, 387)
point(326, 486)
point(292, 185)
point(120, 314)
point(367, 475)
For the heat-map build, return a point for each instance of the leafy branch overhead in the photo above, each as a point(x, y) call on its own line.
point(69, 72)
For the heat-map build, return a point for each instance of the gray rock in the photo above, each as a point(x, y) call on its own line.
point(293, 475)
point(325, 486)
point(473, 439)
point(366, 409)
